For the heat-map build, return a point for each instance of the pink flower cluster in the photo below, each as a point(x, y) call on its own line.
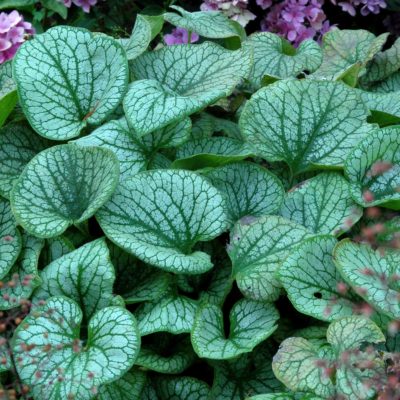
point(233, 9)
point(297, 20)
point(366, 6)
point(13, 32)
point(84, 4)
point(180, 36)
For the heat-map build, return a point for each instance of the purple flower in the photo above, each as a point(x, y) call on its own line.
point(180, 36)
point(366, 6)
point(264, 4)
point(13, 32)
point(84, 4)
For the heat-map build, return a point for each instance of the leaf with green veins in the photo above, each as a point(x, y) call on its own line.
point(257, 249)
point(373, 168)
point(276, 57)
point(296, 365)
point(140, 39)
point(73, 366)
point(23, 277)
point(160, 215)
point(390, 84)
point(179, 388)
point(344, 48)
point(6, 362)
point(383, 64)
point(251, 323)
point(308, 124)
point(249, 189)
point(208, 24)
point(159, 161)
point(18, 145)
point(62, 186)
point(54, 249)
point(376, 273)
point(167, 356)
point(68, 78)
point(204, 125)
point(211, 152)
point(8, 92)
point(10, 238)
point(311, 280)
point(172, 313)
point(250, 373)
point(322, 204)
point(85, 275)
point(130, 385)
point(177, 81)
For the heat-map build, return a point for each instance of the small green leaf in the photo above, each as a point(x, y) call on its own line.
point(390, 84)
point(173, 313)
point(344, 48)
point(54, 249)
point(311, 280)
point(61, 186)
point(68, 78)
point(276, 57)
point(163, 214)
point(71, 366)
point(373, 168)
point(322, 204)
point(168, 357)
point(257, 249)
point(140, 39)
point(85, 275)
point(56, 6)
point(296, 365)
point(209, 24)
point(18, 145)
point(22, 278)
point(177, 81)
point(372, 274)
point(10, 238)
point(251, 323)
point(210, 152)
point(8, 92)
point(308, 124)
point(129, 386)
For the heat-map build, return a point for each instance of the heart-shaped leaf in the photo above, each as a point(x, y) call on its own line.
point(10, 239)
point(312, 281)
point(85, 275)
point(131, 385)
point(160, 215)
point(18, 145)
point(20, 281)
point(173, 313)
point(275, 56)
point(46, 201)
point(322, 204)
point(209, 24)
point(373, 168)
point(251, 322)
point(249, 189)
point(8, 91)
point(305, 123)
point(257, 249)
point(390, 84)
point(140, 39)
point(68, 78)
point(250, 373)
point(72, 366)
point(345, 48)
point(375, 276)
point(210, 152)
point(167, 354)
point(177, 81)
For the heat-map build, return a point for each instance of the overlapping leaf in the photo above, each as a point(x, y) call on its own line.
point(8, 91)
point(63, 185)
point(68, 78)
point(177, 81)
point(307, 124)
point(71, 367)
point(373, 168)
point(322, 204)
point(160, 215)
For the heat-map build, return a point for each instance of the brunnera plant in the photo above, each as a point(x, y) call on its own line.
point(201, 221)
